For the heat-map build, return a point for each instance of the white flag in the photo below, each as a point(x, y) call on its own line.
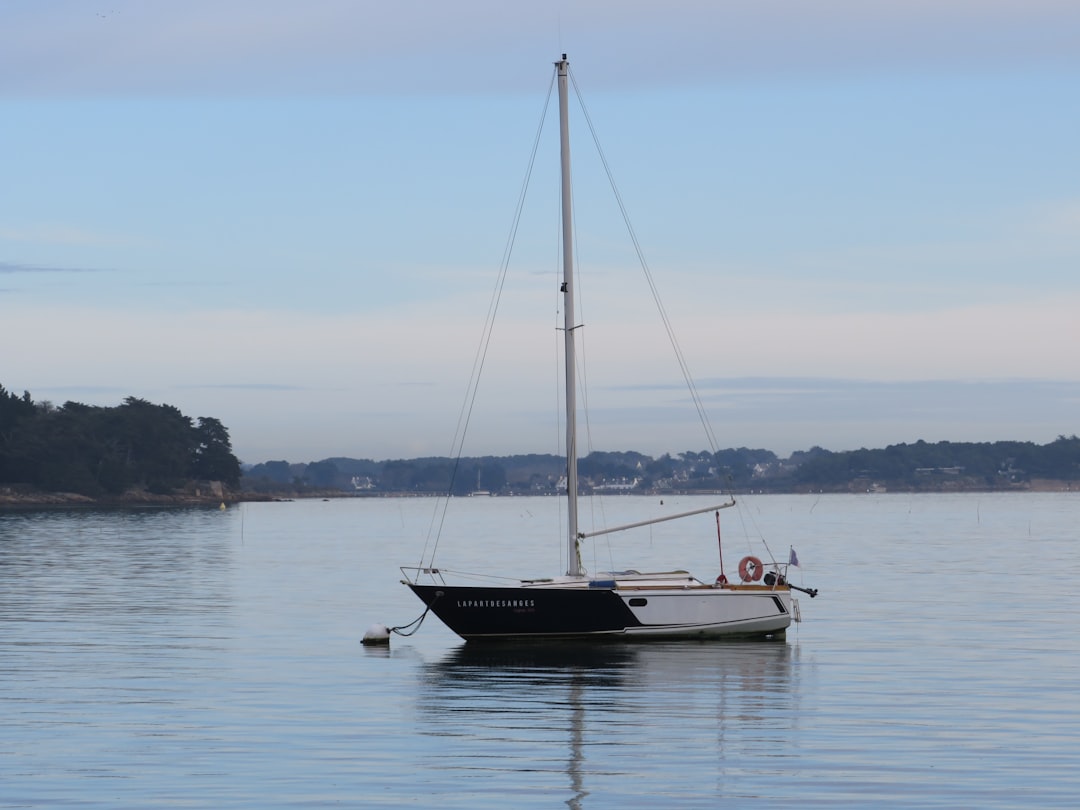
point(793, 558)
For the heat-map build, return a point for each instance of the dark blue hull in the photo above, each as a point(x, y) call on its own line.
point(527, 613)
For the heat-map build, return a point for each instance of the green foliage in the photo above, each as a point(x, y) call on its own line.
point(926, 466)
point(739, 466)
point(212, 457)
point(918, 466)
point(270, 476)
point(14, 410)
point(99, 451)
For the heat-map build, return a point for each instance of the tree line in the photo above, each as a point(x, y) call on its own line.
point(106, 451)
point(101, 451)
point(921, 466)
point(927, 466)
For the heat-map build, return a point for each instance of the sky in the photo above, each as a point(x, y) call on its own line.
point(862, 218)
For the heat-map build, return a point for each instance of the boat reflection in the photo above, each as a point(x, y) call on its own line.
point(595, 711)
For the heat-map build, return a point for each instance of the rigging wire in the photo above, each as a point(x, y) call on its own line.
point(438, 517)
point(679, 356)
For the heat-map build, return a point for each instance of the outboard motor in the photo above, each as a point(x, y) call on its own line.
point(772, 578)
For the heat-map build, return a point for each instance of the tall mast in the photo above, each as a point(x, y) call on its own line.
point(573, 560)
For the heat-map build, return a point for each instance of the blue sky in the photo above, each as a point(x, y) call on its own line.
point(863, 218)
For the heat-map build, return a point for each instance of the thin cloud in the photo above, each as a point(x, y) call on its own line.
point(786, 414)
point(78, 392)
point(46, 234)
point(238, 46)
point(245, 387)
point(11, 268)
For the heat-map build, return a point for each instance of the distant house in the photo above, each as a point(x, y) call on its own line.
point(618, 485)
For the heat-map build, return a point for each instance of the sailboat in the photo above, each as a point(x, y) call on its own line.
point(611, 605)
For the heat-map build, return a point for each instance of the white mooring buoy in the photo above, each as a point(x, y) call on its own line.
point(377, 634)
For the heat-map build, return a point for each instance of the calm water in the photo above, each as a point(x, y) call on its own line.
point(198, 658)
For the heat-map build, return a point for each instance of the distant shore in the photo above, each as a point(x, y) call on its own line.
point(25, 497)
point(959, 485)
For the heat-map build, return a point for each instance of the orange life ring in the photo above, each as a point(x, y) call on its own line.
point(750, 569)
